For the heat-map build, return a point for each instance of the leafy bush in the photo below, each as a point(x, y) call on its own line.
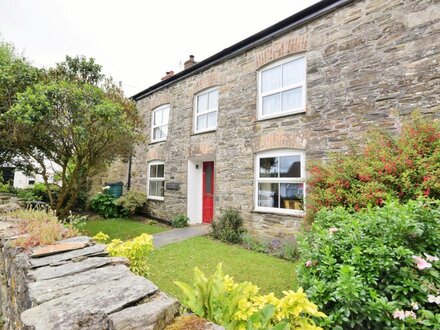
point(367, 269)
point(404, 168)
point(101, 237)
point(135, 250)
point(239, 306)
point(229, 227)
point(131, 202)
point(180, 221)
point(27, 195)
point(105, 205)
point(40, 228)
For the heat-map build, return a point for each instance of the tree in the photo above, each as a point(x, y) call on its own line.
point(78, 120)
point(16, 74)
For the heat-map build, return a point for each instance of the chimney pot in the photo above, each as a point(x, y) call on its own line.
point(168, 75)
point(190, 62)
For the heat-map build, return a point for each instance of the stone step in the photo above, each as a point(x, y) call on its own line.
point(46, 273)
point(42, 291)
point(157, 313)
point(57, 258)
point(88, 308)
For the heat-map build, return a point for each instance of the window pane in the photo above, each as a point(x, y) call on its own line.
point(163, 131)
point(271, 104)
point(153, 188)
point(269, 167)
point(208, 179)
point(292, 99)
point(271, 79)
point(153, 171)
point(212, 120)
point(160, 171)
point(160, 188)
point(202, 102)
point(156, 133)
point(268, 194)
point(201, 122)
point(157, 117)
point(165, 115)
point(292, 196)
point(213, 99)
point(294, 72)
point(290, 166)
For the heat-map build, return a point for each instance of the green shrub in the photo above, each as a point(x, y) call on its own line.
point(251, 243)
point(105, 205)
point(135, 250)
point(239, 306)
point(180, 221)
point(131, 202)
point(365, 269)
point(404, 168)
point(229, 227)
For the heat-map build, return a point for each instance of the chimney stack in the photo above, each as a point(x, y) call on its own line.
point(190, 62)
point(168, 75)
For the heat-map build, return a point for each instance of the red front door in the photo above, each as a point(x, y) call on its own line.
point(208, 191)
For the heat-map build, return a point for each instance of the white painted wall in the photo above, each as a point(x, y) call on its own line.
point(195, 180)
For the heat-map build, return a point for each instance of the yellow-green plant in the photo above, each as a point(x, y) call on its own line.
point(239, 306)
point(101, 237)
point(135, 250)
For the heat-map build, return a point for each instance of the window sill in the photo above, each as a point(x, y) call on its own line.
point(280, 115)
point(203, 132)
point(157, 141)
point(154, 198)
point(297, 214)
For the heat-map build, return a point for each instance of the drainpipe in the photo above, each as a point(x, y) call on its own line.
point(129, 174)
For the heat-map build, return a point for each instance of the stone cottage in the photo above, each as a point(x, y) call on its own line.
point(239, 128)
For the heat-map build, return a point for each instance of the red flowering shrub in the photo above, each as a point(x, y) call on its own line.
point(404, 167)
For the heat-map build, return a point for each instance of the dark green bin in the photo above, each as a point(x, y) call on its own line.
point(115, 189)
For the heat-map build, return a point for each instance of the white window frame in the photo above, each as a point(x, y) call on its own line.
point(196, 115)
point(257, 179)
point(160, 108)
point(302, 84)
point(149, 179)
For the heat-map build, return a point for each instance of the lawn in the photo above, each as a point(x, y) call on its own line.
point(177, 261)
point(120, 228)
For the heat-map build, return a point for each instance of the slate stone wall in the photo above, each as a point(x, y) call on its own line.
point(75, 285)
point(369, 64)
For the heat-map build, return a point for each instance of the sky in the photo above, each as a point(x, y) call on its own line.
point(136, 41)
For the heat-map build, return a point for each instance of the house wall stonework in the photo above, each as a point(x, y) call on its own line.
point(369, 64)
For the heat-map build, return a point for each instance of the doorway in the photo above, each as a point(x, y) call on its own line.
point(208, 192)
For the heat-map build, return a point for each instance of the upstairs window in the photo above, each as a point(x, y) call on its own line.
point(156, 180)
point(159, 120)
point(280, 177)
point(282, 88)
point(206, 108)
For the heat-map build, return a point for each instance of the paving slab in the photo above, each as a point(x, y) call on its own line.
point(57, 258)
point(179, 234)
point(45, 290)
point(48, 272)
point(107, 297)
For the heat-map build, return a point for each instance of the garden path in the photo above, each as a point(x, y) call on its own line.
point(179, 234)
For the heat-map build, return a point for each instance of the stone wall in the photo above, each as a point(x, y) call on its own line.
point(75, 285)
point(369, 64)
